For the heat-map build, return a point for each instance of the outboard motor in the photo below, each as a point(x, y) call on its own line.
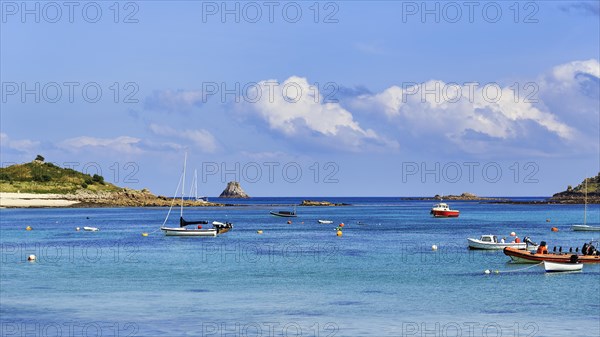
point(528, 241)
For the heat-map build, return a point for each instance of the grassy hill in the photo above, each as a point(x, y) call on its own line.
point(577, 194)
point(40, 177)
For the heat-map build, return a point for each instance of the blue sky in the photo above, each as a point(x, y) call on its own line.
point(312, 99)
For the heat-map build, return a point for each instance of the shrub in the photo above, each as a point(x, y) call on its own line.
point(98, 179)
point(84, 185)
point(88, 181)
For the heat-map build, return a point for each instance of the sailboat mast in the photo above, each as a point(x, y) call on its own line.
point(585, 204)
point(183, 185)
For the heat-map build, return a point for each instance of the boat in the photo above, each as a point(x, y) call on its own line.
point(182, 230)
point(553, 267)
point(194, 190)
point(589, 255)
point(442, 210)
point(91, 229)
point(325, 222)
point(585, 227)
point(285, 214)
point(490, 242)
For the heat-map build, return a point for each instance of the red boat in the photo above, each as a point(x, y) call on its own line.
point(442, 210)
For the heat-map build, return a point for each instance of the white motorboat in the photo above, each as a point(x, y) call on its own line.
point(325, 222)
point(554, 267)
point(490, 242)
point(91, 229)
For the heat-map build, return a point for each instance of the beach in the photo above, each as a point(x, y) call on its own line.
point(34, 200)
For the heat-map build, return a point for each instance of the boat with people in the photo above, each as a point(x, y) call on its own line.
point(554, 267)
point(284, 214)
point(183, 230)
point(491, 242)
point(325, 222)
point(442, 210)
point(589, 254)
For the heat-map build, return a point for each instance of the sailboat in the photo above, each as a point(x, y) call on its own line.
point(585, 227)
point(217, 228)
point(194, 189)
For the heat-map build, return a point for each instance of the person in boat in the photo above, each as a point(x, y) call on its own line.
point(503, 240)
point(589, 249)
point(542, 249)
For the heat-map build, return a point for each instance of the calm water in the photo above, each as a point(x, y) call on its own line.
point(380, 278)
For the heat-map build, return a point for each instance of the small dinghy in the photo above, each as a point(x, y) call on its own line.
point(91, 229)
point(325, 222)
point(555, 267)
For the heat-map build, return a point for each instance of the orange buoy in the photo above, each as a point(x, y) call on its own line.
point(554, 229)
point(199, 226)
point(342, 224)
point(513, 234)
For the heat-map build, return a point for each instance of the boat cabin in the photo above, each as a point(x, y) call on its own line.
point(489, 238)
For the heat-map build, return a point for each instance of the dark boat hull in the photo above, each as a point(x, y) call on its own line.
point(284, 215)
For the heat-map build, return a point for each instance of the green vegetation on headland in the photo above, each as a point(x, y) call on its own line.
point(577, 195)
point(38, 177)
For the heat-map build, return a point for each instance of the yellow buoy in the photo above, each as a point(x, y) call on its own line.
point(259, 231)
point(339, 233)
point(28, 228)
point(144, 234)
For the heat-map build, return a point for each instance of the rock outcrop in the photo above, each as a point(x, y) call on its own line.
point(234, 190)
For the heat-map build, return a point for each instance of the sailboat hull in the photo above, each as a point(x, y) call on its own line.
point(173, 231)
point(585, 228)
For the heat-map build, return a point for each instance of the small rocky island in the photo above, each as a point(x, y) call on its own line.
point(320, 203)
point(234, 190)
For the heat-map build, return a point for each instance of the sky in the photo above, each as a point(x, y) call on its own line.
point(347, 98)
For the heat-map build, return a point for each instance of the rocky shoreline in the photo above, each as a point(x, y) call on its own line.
point(87, 199)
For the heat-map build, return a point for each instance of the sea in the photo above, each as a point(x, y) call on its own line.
point(381, 277)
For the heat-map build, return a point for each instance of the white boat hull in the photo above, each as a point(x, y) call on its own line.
point(585, 228)
point(553, 267)
point(188, 232)
point(325, 222)
point(484, 245)
point(90, 229)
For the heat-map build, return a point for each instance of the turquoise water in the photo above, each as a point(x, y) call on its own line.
point(379, 279)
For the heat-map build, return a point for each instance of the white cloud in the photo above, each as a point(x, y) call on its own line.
point(20, 145)
point(202, 139)
point(122, 144)
point(566, 75)
point(296, 109)
point(174, 100)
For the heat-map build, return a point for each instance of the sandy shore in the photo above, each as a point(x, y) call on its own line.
point(34, 200)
